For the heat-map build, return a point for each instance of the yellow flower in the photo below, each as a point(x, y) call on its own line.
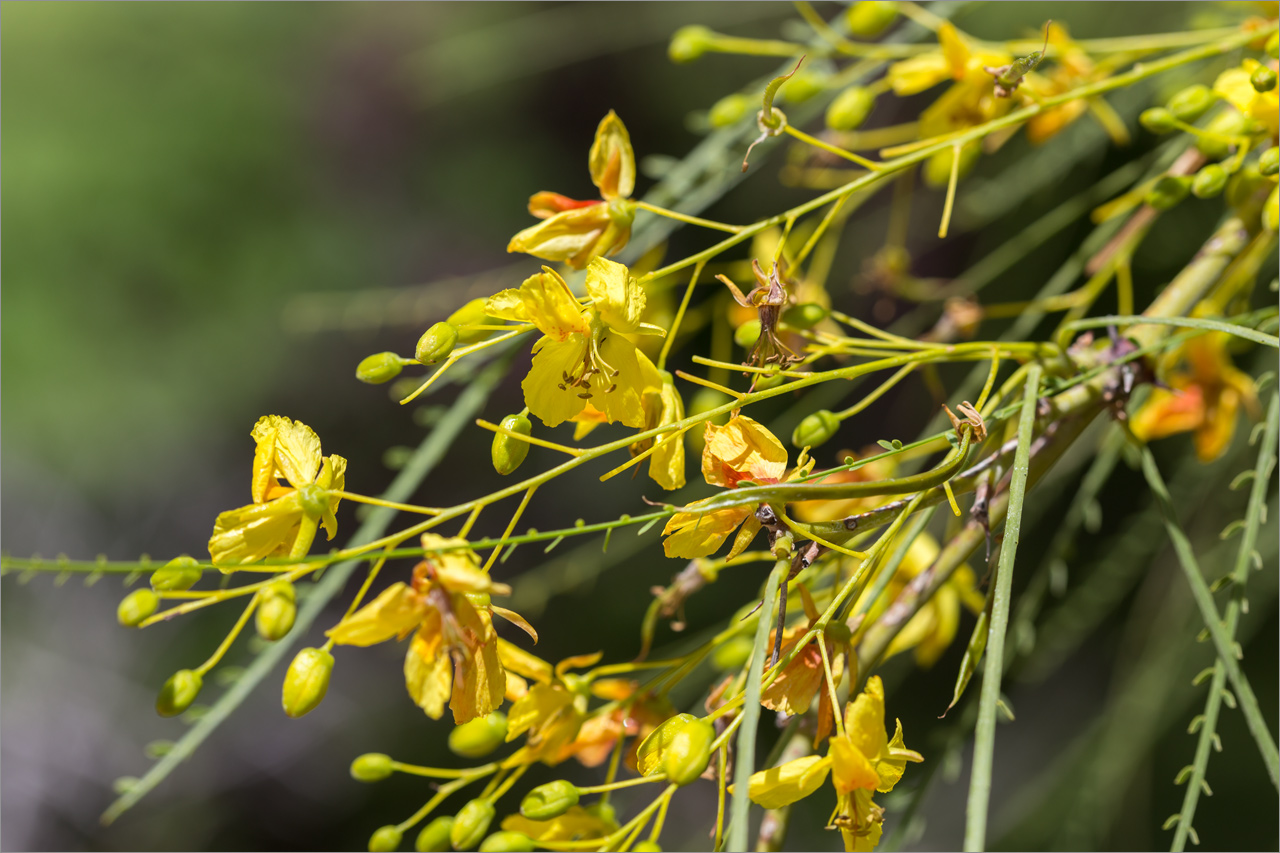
point(663, 406)
point(552, 711)
point(1207, 392)
point(576, 824)
point(1234, 86)
point(582, 358)
point(861, 760)
point(453, 656)
point(578, 231)
point(742, 450)
point(286, 450)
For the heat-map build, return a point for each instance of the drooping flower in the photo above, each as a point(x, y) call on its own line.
point(578, 231)
point(803, 679)
point(290, 451)
point(453, 656)
point(583, 358)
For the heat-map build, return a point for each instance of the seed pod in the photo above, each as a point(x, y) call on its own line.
point(747, 334)
point(277, 610)
point(378, 368)
point(307, 681)
point(802, 86)
point(689, 43)
point(434, 836)
point(732, 655)
point(850, 108)
point(805, 315)
point(470, 824)
point(479, 737)
point(506, 842)
point(550, 800)
point(371, 767)
point(1209, 181)
point(816, 429)
point(178, 693)
point(1168, 191)
point(436, 343)
point(471, 314)
point(1263, 79)
point(689, 751)
point(177, 575)
point(385, 839)
point(729, 110)
point(1269, 162)
point(1225, 123)
point(137, 606)
point(869, 18)
point(1190, 103)
point(1158, 120)
point(937, 169)
point(507, 452)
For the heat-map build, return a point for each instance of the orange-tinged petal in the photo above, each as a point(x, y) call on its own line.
point(478, 679)
point(572, 236)
point(1169, 412)
point(538, 705)
point(850, 768)
point(612, 161)
point(545, 205)
point(793, 691)
point(741, 450)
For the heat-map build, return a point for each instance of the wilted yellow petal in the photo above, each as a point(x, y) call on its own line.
point(286, 448)
point(697, 534)
point(479, 681)
point(616, 294)
point(427, 673)
point(518, 660)
point(612, 161)
point(741, 450)
point(256, 531)
point(395, 612)
point(788, 783)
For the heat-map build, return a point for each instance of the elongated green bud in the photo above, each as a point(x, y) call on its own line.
point(689, 43)
point(869, 18)
point(307, 681)
point(136, 607)
point(177, 575)
point(1225, 123)
point(479, 737)
point(850, 108)
point(276, 611)
point(805, 315)
point(371, 767)
point(378, 368)
point(1158, 120)
point(1191, 103)
point(470, 824)
point(689, 751)
point(506, 842)
point(385, 839)
point(816, 429)
point(1263, 79)
point(802, 86)
point(729, 110)
point(471, 314)
point(436, 343)
point(1209, 181)
point(509, 453)
point(178, 693)
point(1168, 191)
point(550, 800)
point(1269, 162)
point(747, 334)
point(435, 835)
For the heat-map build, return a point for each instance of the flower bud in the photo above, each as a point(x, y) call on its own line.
point(471, 314)
point(937, 169)
point(307, 681)
point(816, 429)
point(1190, 103)
point(802, 86)
point(850, 108)
point(178, 693)
point(434, 836)
point(549, 801)
point(177, 575)
point(729, 110)
point(1158, 120)
point(385, 839)
point(479, 737)
point(136, 607)
point(1225, 123)
point(1263, 79)
point(747, 334)
point(507, 452)
point(470, 824)
point(689, 751)
point(869, 18)
point(436, 343)
point(1269, 162)
point(371, 767)
point(1209, 181)
point(1168, 191)
point(603, 811)
point(378, 368)
point(277, 610)
point(765, 381)
point(689, 43)
point(1271, 211)
point(805, 315)
point(506, 842)
point(732, 655)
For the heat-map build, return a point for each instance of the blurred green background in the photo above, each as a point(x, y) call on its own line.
point(213, 211)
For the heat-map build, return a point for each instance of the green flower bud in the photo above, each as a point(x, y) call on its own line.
point(732, 655)
point(137, 606)
point(765, 381)
point(802, 86)
point(471, 314)
point(385, 839)
point(1209, 181)
point(850, 108)
point(436, 343)
point(937, 169)
point(1263, 79)
point(508, 452)
point(479, 737)
point(838, 632)
point(550, 800)
point(647, 847)
point(1158, 120)
point(604, 812)
point(1269, 162)
point(747, 334)
point(689, 751)
point(1243, 190)
point(689, 43)
point(805, 315)
point(378, 368)
point(470, 824)
point(1190, 103)
point(178, 693)
point(276, 611)
point(1273, 46)
point(506, 842)
point(307, 681)
point(869, 18)
point(1225, 123)
point(1168, 191)
point(371, 767)
point(729, 110)
point(434, 836)
point(178, 575)
point(816, 429)
point(1271, 211)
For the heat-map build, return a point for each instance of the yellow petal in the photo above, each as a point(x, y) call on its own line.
point(395, 611)
point(527, 664)
point(548, 303)
point(427, 674)
point(545, 391)
point(294, 451)
point(612, 161)
point(666, 464)
point(864, 719)
point(954, 49)
point(516, 619)
point(788, 783)
point(576, 824)
point(691, 534)
point(539, 704)
point(254, 532)
point(851, 769)
point(572, 236)
point(620, 396)
point(750, 527)
point(741, 450)
point(918, 73)
point(479, 681)
point(332, 477)
point(1234, 85)
point(615, 294)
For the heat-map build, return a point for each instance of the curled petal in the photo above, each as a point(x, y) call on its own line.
point(616, 294)
point(741, 450)
point(285, 448)
point(612, 161)
point(788, 783)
